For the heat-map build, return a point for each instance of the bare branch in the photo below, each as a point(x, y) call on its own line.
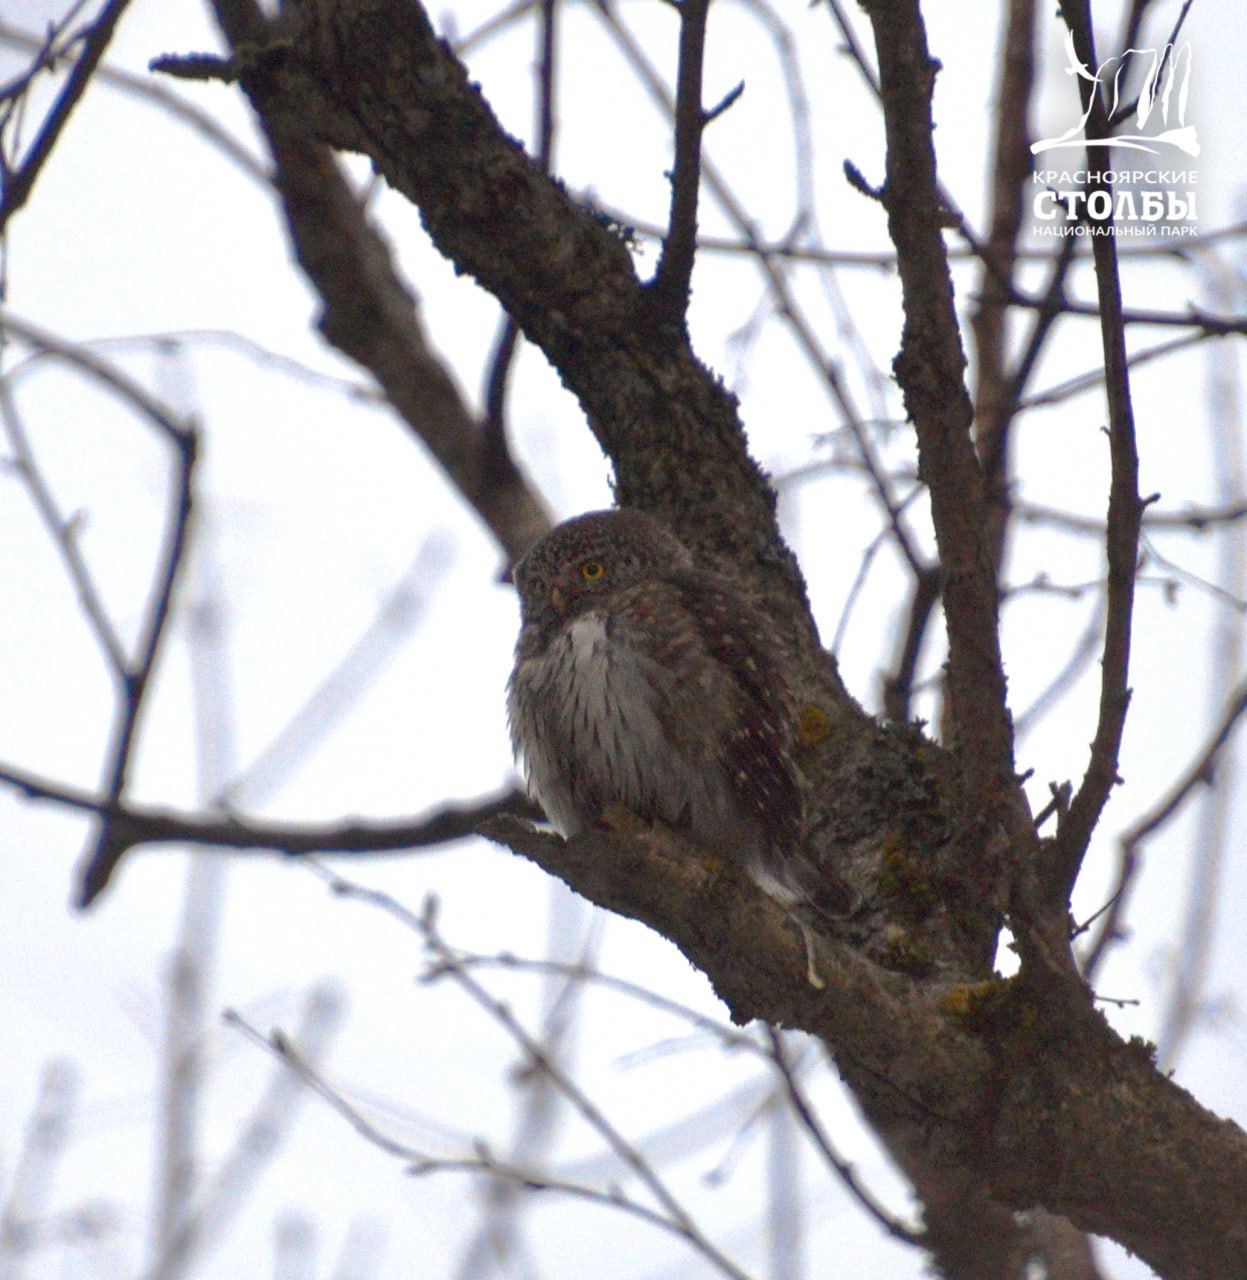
point(495, 453)
point(178, 430)
point(132, 675)
point(930, 369)
point(1197, 774)
point(258, 1141)
point(397, 615)
point(1209, 324)
point(133, 825)
point(371, 315)
point(18, 185)
point(832, 1158)
point(482, 1161)
point(669, 289)
point(996, 391)
point(198, 120)
point(108, 849)
point(63, 533)
point(445, 964)
point(30, 1180)
point(1213, 841)
point(1125, 508)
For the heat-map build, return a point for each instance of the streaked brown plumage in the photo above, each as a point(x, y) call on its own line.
point(643, 679)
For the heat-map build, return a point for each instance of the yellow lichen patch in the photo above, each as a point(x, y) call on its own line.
point(903, 953)
point(814, 726)
point(960, 1001)
point(903, 881)
point(993, 1006)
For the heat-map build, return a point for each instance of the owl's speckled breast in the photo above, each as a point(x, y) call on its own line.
point(594, 700)
point(644, 680)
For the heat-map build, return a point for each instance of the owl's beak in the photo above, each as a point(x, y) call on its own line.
point(557, 598)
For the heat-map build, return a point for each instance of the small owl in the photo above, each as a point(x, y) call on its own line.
point(643, 679)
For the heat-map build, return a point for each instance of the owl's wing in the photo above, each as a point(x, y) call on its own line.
point(741, 643)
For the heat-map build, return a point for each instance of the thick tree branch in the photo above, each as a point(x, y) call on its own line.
point(371, 316)
point(1013, 1084)
point(373, 77)
point(1027, 1086)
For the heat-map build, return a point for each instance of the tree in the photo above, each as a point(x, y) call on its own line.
point(997, 1096)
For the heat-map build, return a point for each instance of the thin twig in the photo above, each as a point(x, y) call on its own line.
point(495, 452)
point(1198, 773)
point(422, 1164)
point(673, 1216)
point(670, 287)
point(63, 532)
point(1193, 317)
point(1211, 843)
point(786, 304)
point(137, 824)
point(1073, 666)
point(865, 562)
point(726, 1034)
point(834, 1160)
point(30, 1179)
point(258, 1140)
point(143, 87)
point(884, 260)
point(107, 849)
point(1125, 508)
point(587, 1108)
point(898, 685)
point(572, 925)
point(1094, 378)
point(397, 615)
point(370, 313)
point(21, 183)
point(179, 430)
point(184, 1073)
point(131, 674)
point(1196, 520)
point(996, 390)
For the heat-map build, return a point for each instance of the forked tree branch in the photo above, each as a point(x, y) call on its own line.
point(20, 182)
point(372, 317)
point(562, 272)
point(1022, 1085)
point(131, 671)
point(1016, 1083)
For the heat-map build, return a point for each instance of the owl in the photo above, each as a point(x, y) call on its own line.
point(644, 679)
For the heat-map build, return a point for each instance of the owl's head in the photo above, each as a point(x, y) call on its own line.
point(591, 557)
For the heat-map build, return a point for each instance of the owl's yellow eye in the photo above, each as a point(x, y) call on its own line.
point(593, 571)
